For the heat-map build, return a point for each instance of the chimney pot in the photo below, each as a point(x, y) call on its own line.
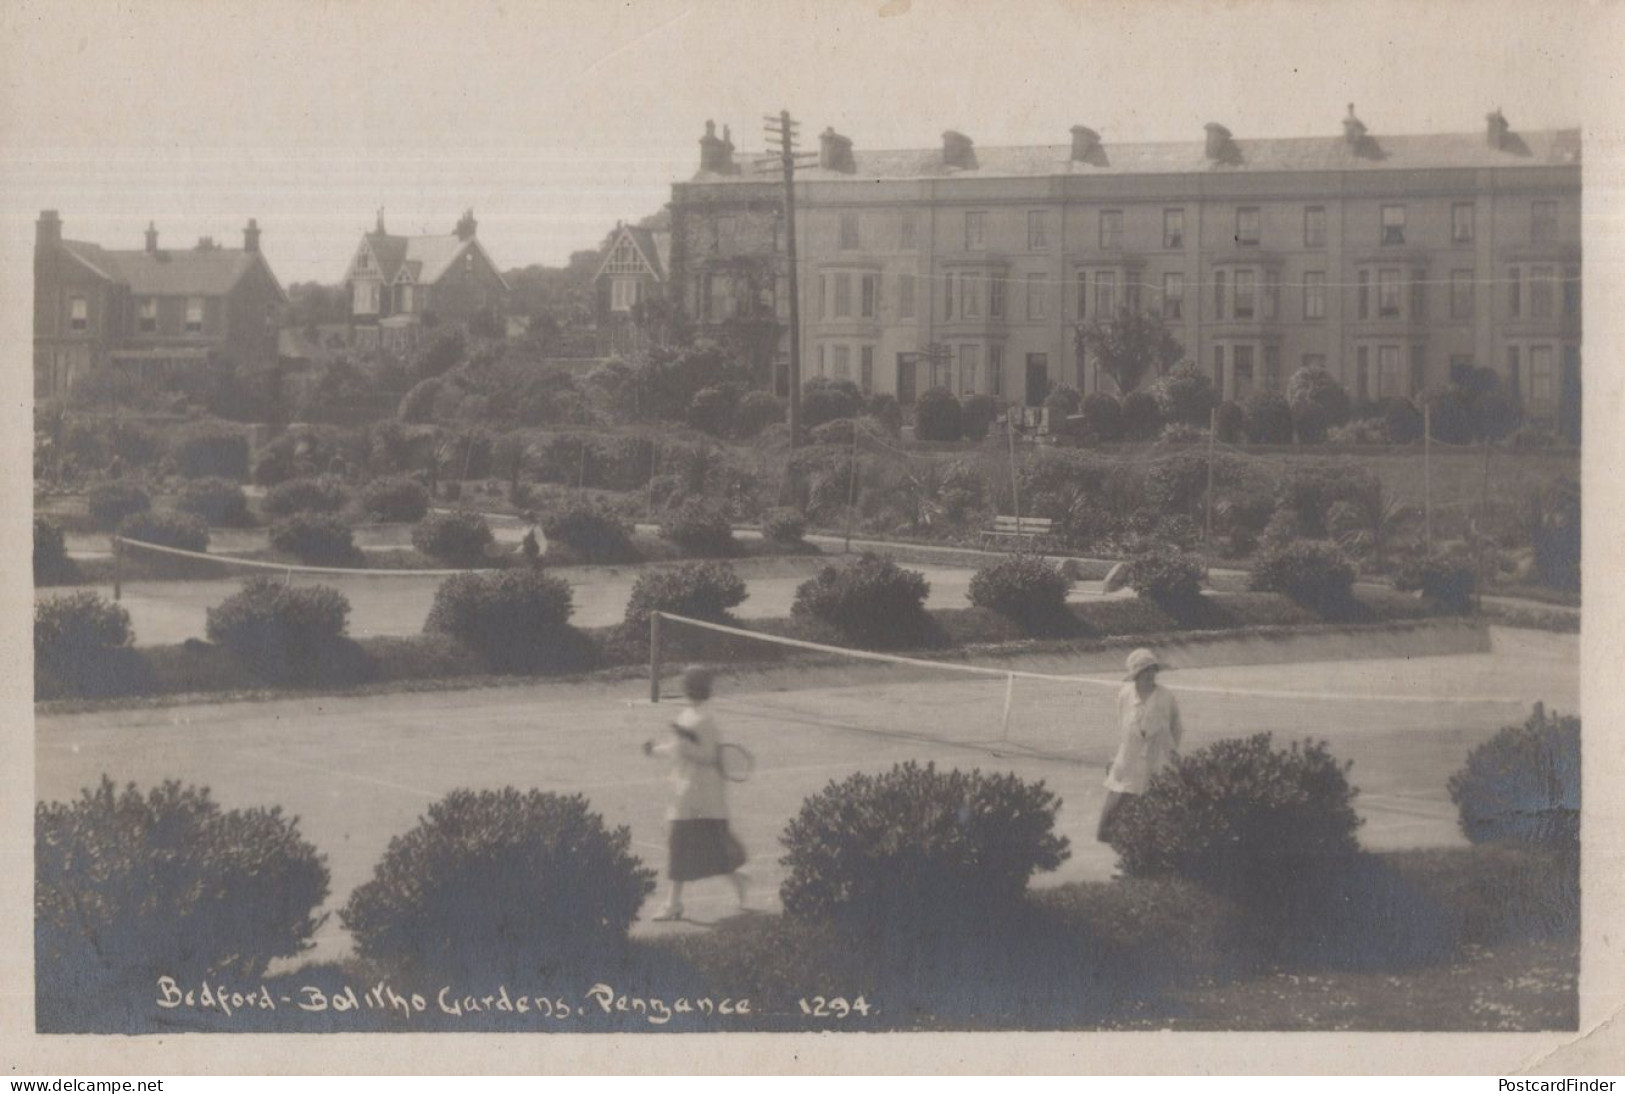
point(251, 236)
point(835, 152)
point(1084, 142)
point(152, 237)
point(1496, 129)
point(47, 230)
point(467, 226)
point(958, 150)
point(1219, 146)
point(1353, 128)
point(716, 153)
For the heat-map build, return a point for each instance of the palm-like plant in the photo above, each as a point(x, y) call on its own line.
point(1368, 523)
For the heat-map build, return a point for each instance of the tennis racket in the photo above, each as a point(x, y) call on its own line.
point(735, 762)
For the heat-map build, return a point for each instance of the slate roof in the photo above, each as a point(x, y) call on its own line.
point(1409, 152)
point(168, 273)
point(426, 258)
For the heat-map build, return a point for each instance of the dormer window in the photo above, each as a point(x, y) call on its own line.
point(78, 314)
point(363, 261)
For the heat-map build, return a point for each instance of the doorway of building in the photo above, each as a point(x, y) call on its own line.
point(907, 366)
point(1037, 378)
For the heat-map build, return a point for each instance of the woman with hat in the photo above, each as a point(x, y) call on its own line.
point(700, 843)
point(1148, 720)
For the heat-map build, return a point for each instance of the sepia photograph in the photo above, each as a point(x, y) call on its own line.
point(861, 518)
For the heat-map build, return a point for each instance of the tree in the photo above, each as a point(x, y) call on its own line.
point(1128, 346)
point(1186, 395)
point(1318, 402)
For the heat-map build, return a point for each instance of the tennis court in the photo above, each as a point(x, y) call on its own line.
point(358, 771)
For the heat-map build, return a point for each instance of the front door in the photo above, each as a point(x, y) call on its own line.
point(907, 366)
point(1037, 378)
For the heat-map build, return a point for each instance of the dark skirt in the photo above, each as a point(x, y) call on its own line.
point(703, 848)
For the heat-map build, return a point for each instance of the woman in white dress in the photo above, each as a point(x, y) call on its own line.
point(1148, 721)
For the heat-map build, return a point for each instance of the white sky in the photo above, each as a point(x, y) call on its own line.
point(555, 119)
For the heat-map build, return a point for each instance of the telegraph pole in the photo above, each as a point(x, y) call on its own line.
point(781, 129)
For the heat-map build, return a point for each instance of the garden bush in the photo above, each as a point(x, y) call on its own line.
point(784, 526)
point(712, 410)
point(1185, 395)
point(1062, 403)
point(395, 499)
point(698, 590)
point(884, 409)
point(213, 453)
point(1268, 418)
point(500, 883)
point(51, 562)
point(75, 634)
point(1523, 785)
point(976, 414)
point(595, 532)
point(700, 528)
point(417, 405)
point(1402, 421)
point(1242, 816)
point(872, 600)
point(1309, 489)
point(824, 400)
point(130, 887)
point(518, 620)
point(916, 848)
point(1231, 423)
point(1181, 433)
point(1317, 401)
point(1102, 416)
point(310, 495)
point(756, 411)
point(1142, 417)
point(1446, 581)
point(458, 538)
point(837, 432)
point(220, 502)
point(1313, 573)
point(1025, 587)
point(317, 539)
point(284, 633)
point(1171, 579)
point(937, 416)
point(1368, 431)
point(112, 502)
point(1553, 518)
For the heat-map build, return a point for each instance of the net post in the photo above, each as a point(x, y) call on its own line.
point(118, 568)
point(654, 657)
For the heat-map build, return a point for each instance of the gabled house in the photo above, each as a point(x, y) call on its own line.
point(398, 284)
point(630, 281)
point(150, 311)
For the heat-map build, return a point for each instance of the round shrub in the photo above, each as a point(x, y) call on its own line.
point(317, 495)
point(1318, 402)
point(700, 528)
point(1309, 490)
point(756, 411)
point(594, 532)
point(1062, 402)
point(183, 531)
point(1025, 587)
point(784, 525)
point(132, 886)
point(916, 847)
point(837, 432)
point(1268, 418)
point(883, 408)
point(314, 538)
point(1313, 573)
point(698, 590)
point(213, 453)
point(496, 882)
point(872, 600)
point(1445, 581)
point(937, 416)
point(1172, 579)
point(220, 502)
point(1102, 416)
point(417, 405)
point(516, 619)
point(1230, 423)
point(1142, 417)
point(1186, 395)
point(458, 538)
point(283, 633)
point(112, 502)
point(1243, 817)
point(1402, 421)
point(976, 414)
point(395, 499)
point(712, 410)
point(1523, 785)
point(75, 632)
point(51, 562)
point(824, 400)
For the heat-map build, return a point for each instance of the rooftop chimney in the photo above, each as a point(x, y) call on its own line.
point(1084, 142)
point(206, 243)
point(958, 150)
point(47, 230)
point(152, 237)
point(467, 226)
point(381, 220)
point(835, 152)
point(251, 236)
point(1496, 129)
point(717, 153)
point(1220, 148)
point(1353, 129)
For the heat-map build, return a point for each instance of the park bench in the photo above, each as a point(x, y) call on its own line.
point(1018, 528)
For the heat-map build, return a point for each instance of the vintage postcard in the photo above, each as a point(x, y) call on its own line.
point(895, 536)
